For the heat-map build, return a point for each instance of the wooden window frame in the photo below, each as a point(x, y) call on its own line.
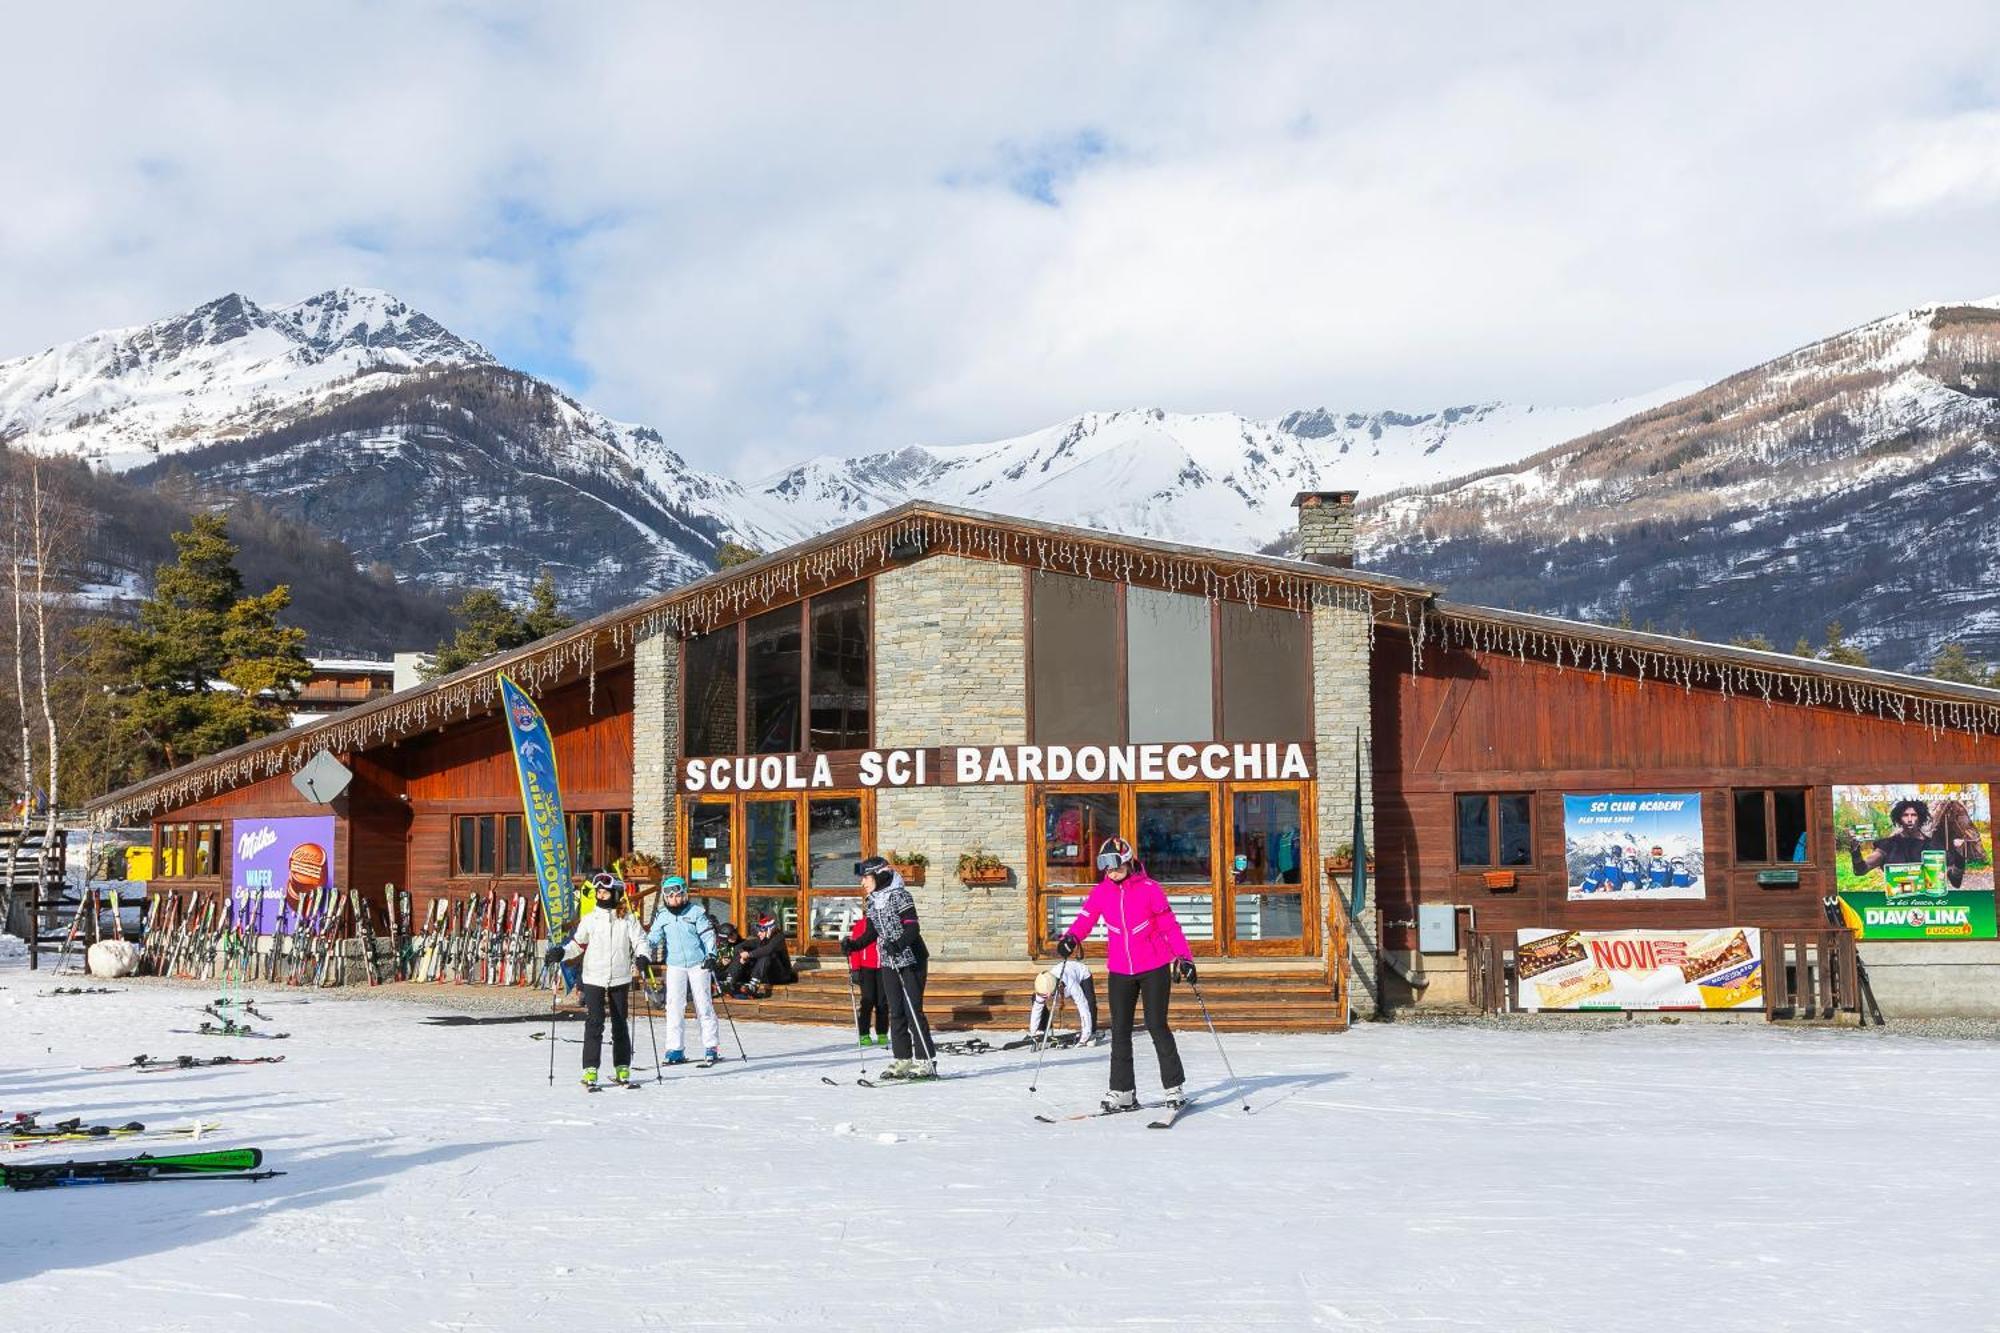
point(740, 630)
point(1492, 799)
point(526, 875)
point(184, 831)
point(1770, 795)
point(740, 889)
point(1222, 853)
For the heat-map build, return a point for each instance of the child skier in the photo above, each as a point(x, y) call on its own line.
point(1146, 953)
point(683, 938)
point(1072, 976)
point(609, 942)
point(864, 966)
point(891, 916)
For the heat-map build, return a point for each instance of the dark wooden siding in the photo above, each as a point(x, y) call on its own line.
point(1477, 722)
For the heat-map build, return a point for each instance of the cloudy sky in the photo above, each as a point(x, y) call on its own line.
point(773, 230)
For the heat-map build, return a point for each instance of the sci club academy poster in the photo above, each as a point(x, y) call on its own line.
point(1625, 846)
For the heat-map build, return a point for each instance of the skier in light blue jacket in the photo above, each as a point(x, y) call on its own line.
point(683, 937)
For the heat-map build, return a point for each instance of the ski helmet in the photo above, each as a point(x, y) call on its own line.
point(604, 886)
point(1113, 853)
point(875, 868)
point(765, 921)
point(673, 885)
point(1045, 984)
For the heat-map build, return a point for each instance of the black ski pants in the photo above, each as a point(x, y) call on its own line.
point(1126, 992)
point(597, 999)
point(868, 982)
point(904, 988)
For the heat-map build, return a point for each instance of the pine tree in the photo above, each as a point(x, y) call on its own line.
point(1953, 663)
point(731, 554)
point(1756, 641)
point(488, 625)
point(204, 668)
point(1839, 650)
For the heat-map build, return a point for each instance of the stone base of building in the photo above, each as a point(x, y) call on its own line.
point(1945, 979)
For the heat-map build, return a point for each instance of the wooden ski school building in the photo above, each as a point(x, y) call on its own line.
point(995, 696)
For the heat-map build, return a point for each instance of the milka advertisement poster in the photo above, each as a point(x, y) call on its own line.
point(1622, 846)
point(275, 860)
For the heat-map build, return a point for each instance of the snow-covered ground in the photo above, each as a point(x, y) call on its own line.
point(1637, 1177)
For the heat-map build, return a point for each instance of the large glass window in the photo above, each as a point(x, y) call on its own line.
point(513, 846)
point(187, 850)
point(1074, 825)
point(475, 845)
point(771, 843)
point(708, 668)
point(709, 847)
point(1268, 848)
point(1176, 839)
point(1269, 916)
point(1076, 664)
point(771, 667)
point(1169, 667)
point(840, 669)
point(583, 844)
point(833, 833)
point(1266, 674)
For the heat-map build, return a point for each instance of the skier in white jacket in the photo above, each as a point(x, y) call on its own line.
point(610, 943)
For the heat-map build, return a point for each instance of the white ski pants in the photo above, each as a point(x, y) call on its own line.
point(684, 983)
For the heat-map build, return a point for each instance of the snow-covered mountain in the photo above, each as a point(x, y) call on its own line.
point(1852, 479)
point(366, 418)
point(1215, 479)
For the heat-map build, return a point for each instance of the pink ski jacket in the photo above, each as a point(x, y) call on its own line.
point(1144, 932)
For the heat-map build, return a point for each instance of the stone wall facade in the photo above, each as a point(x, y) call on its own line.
point(1341, 711)
point(656, 745)
point(951, 668)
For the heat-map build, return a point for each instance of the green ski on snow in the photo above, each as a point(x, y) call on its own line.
point(221, 1164)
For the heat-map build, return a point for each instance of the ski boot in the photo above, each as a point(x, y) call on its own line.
point(710, 1056)
point(920, 1069)
point(898, 1069)
point(1176, 1099)
point(590, 1080)
point(677, 1057)
point(622, 1076)
point(1115, 1102)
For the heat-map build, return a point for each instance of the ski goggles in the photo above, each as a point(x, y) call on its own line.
point(1109, 860)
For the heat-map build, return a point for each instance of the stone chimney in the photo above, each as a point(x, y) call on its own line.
point(1326, 527)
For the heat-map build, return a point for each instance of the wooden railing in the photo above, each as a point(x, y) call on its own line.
point(1810, 973)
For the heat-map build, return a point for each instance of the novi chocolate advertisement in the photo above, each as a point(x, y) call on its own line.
point(1721, 968)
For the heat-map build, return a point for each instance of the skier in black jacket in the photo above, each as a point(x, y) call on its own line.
point(891, 914)
point(762, 963)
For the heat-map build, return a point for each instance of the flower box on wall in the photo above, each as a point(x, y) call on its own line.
point(1500, 880)
point(979, 869)
point(912, 873)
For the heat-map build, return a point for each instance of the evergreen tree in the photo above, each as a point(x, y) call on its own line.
point(1953, 663)
point(731, 554)
point(1803, 648)
point(1756, 641)
point(204, 668)
point(488, 625)
point(1839, 650)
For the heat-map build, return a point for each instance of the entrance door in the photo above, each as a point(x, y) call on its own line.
point(1270, 907)
point(789, 855)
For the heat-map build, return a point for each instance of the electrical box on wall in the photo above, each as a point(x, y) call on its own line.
point(1437, 928)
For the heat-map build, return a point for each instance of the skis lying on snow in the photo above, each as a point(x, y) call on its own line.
point(224, 1164)
point(482, 1020)
point(247, 1008)
point(226, 1028)
point(147, 1064)
point(17, 1140)
point(85, 990)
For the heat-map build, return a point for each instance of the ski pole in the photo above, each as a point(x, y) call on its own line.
point(854, 1005)
point(915, 1018)
point(1043, 1038)
point(723, 995)
point(652, 1031)
point(1218, 1042)
point(552, 1034)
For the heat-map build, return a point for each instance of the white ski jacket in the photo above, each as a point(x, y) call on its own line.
point(609, 945)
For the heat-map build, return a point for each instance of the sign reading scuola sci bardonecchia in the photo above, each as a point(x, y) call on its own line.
point(995, 765)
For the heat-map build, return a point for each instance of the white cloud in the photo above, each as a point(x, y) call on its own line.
point(771, 230)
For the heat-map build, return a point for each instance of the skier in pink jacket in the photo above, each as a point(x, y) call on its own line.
point(1145, 953)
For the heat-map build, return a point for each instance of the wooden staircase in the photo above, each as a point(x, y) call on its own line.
point(1242, 996)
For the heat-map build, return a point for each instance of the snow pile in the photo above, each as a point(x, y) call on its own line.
point(1394, 1177)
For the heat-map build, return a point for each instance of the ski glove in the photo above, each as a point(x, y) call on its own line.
point(552, 954)
point(708, 964)
point(848, 945)
point(1067, 945)
point(1184, 970)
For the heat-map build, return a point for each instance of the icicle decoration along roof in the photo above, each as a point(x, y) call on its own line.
point(841, 556)
point(1729, 671)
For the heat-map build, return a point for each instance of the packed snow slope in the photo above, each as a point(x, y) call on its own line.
point(1395, 1177)
point(1852, 479)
